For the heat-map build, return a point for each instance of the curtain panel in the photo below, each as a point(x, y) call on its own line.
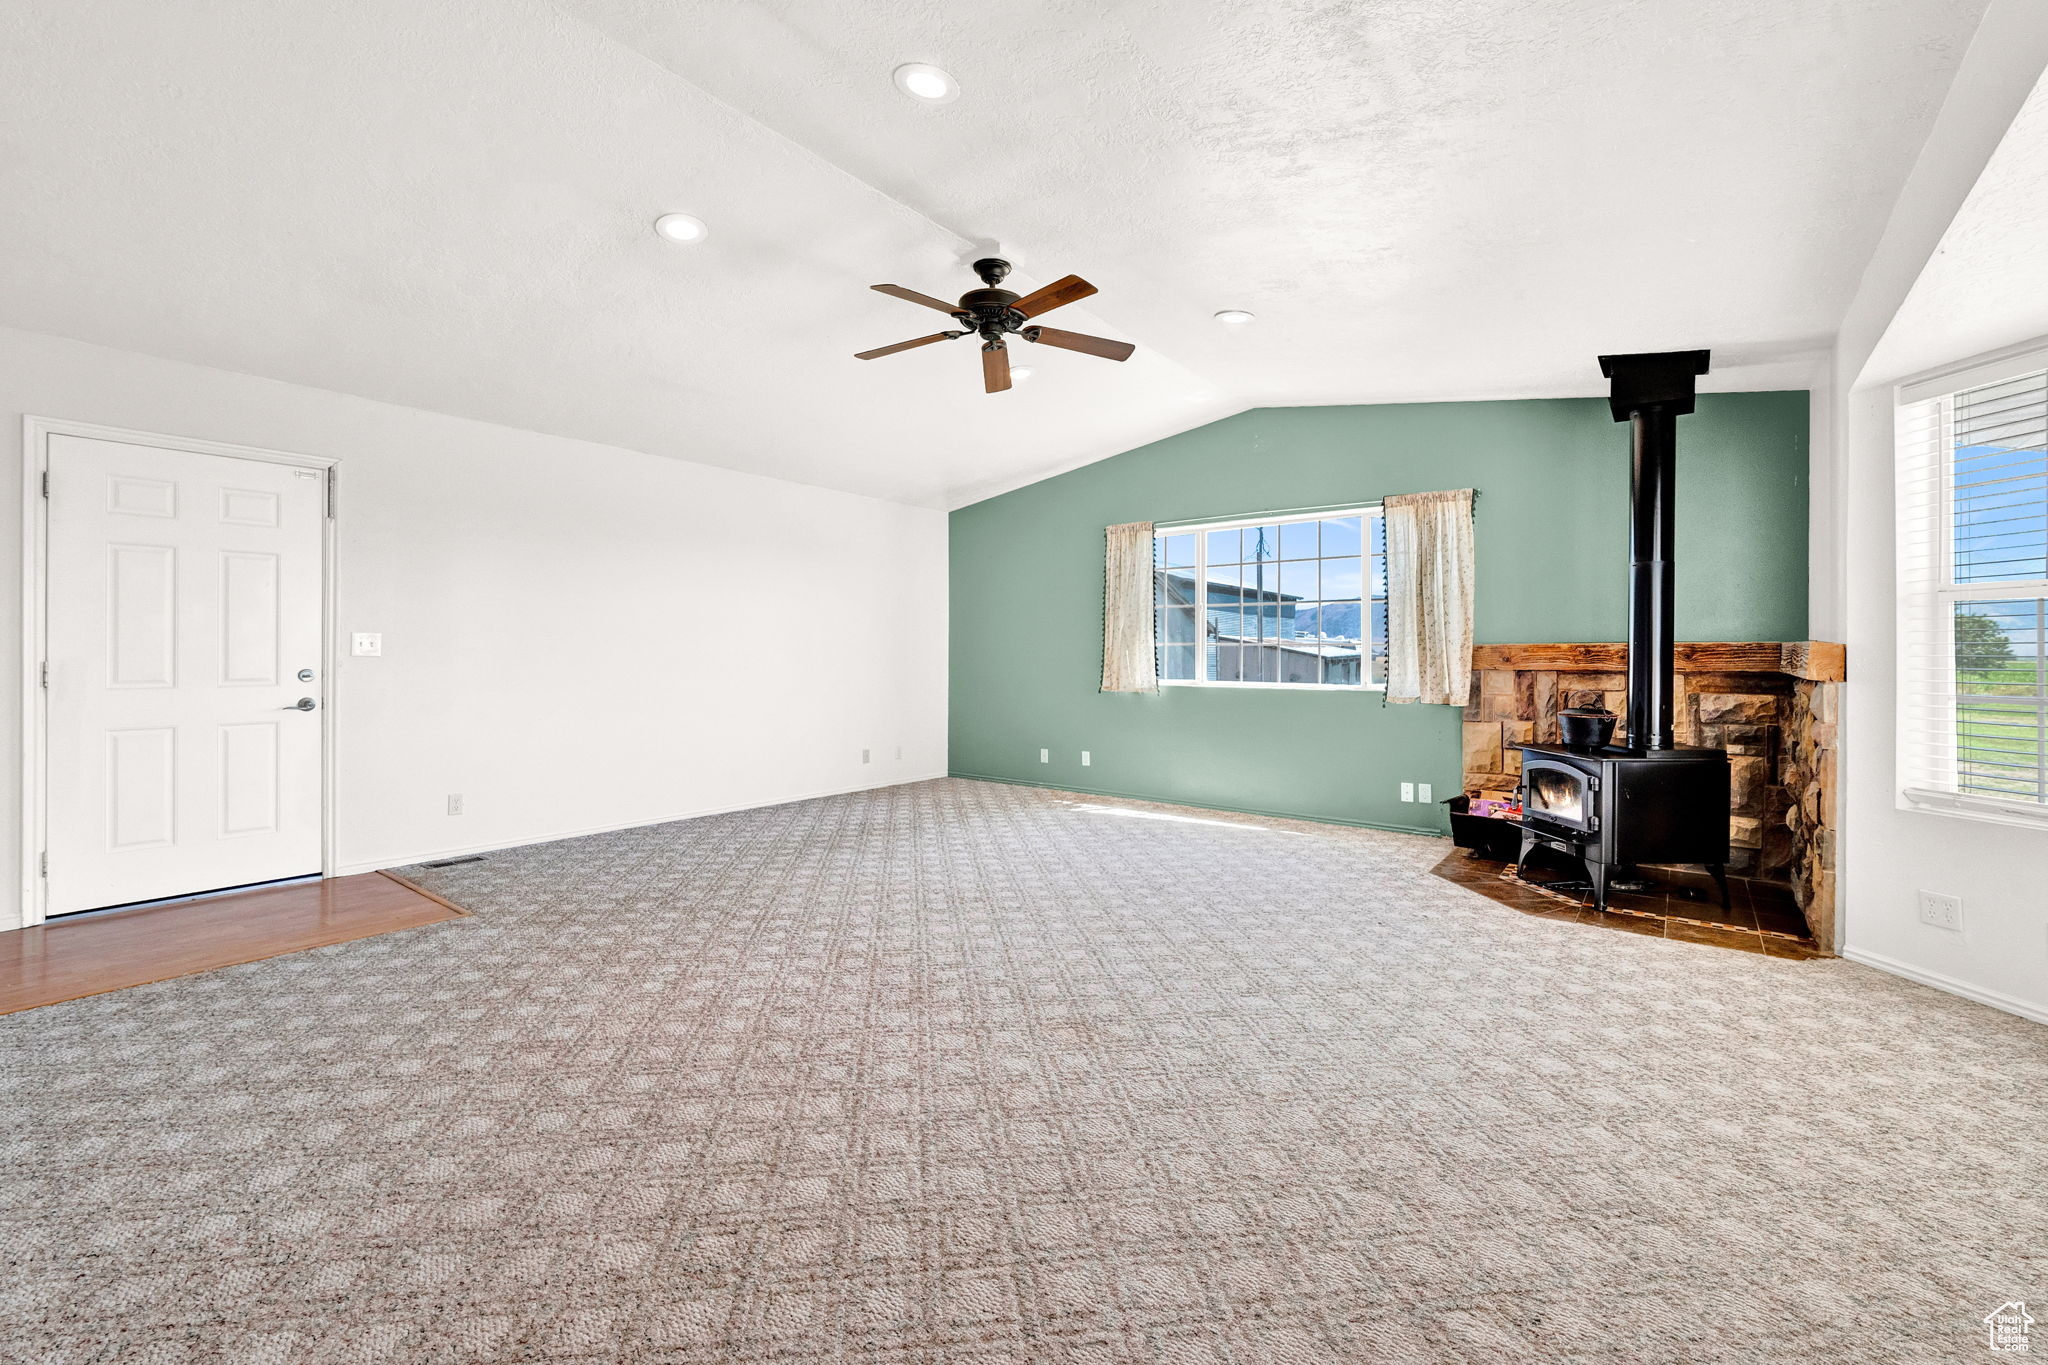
point(1429, 597)
point(1128, 664)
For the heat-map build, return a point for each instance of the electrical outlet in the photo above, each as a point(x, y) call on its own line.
point(1045, 755)
point(365, 644)
point(863, 755)
point(455, 803)
point(1422, 791)
point(1407, 791)
point(1084, 758)
point(1943, 912)
point(899, 752)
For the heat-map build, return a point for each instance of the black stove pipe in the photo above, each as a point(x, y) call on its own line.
point(1650, 392)
point(1651, 657)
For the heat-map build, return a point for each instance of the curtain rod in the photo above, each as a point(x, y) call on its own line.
point(1360, 505)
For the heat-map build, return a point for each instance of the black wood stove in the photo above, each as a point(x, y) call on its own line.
point(1648, 800)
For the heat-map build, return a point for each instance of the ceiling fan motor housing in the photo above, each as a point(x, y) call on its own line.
point(991, 311)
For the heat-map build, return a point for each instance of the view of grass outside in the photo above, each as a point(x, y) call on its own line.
point(2001, 654)
point(1999, 530)
point(2002, 699)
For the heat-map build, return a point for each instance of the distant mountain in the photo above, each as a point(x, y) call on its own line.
point(1341, 619)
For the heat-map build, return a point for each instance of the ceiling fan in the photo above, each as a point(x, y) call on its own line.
point(992, 314)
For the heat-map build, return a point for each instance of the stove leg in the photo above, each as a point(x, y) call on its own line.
point(1720, 876)
point(1529, 845)
point(1597, 874)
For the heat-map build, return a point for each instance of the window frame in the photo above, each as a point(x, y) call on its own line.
point(1367, 514)
point(1923, 712)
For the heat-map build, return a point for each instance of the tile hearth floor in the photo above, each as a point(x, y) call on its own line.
point(1761, 916)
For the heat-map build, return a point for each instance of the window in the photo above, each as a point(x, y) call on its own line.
point(1973, 580)
point(1296, 601)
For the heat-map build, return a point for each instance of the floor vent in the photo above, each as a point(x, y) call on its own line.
point(456, 862)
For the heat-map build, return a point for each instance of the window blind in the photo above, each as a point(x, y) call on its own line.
point(1973, 595)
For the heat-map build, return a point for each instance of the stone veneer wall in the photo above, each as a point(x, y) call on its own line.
point(1771, 706)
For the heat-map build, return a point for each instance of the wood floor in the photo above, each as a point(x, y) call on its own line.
point(69, 958)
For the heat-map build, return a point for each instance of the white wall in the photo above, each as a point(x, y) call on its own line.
point(576, 637)
point(1886, 854)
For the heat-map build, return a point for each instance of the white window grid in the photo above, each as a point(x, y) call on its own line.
point(1372, 677)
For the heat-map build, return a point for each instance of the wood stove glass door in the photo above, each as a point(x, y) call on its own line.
point(1559, 794)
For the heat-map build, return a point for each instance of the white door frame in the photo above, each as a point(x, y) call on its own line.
point(35, 538)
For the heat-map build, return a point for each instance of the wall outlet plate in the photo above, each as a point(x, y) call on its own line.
point(1045, 755)
point(1084, 758)
point(1422, 792)
point(1943, 912)
point(863, 755)
point(455, 803)
point(1407, 791)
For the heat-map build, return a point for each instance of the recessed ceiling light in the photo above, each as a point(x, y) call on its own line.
point(1020, 372)
point(681, 227)
point(1234, 317)
point(926, 83)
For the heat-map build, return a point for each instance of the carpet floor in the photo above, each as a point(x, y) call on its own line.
point(963, 1073)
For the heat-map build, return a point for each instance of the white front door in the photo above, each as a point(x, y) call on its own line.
point(184, 615)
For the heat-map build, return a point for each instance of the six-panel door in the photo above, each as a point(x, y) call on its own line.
point(184, 601)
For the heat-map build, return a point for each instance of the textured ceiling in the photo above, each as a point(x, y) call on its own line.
point(446, 205)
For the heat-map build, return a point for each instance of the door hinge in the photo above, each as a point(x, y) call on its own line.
point(46, 865)
point(46, 673)
point(330, 492)
point(46, 483)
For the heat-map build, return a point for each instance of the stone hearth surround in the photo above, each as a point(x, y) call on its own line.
point(1771, 706)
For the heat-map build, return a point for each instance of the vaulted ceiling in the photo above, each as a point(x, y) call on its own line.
point(448, 205)
point(1986, 286)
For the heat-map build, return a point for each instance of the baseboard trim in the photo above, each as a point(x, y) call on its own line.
point(462, 851)
point(1996, 999)
point(1157, 799)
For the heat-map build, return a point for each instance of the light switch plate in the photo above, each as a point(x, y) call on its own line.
point(1407, 791)
point(365, 644)
point(1422, 791)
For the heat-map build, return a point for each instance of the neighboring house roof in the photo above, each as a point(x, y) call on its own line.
point(1179, 577)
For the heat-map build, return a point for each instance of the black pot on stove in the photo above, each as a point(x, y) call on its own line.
point(1585, 727)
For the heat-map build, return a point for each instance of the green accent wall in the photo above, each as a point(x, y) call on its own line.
point(1551, 534)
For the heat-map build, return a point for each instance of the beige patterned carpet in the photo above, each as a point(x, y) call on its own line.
point(961, 1073)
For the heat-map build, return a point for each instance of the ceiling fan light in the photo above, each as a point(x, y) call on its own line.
point(926, 84)
point(1020, 372)
point(681, 227)
point(1233, 317)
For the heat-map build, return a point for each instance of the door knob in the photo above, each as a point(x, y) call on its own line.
point(302, 704)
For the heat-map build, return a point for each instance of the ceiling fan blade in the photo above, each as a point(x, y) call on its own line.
point(897, 291)
point(995, 366)
point(1080, 341)
point(880, 351)
point(1054, 295)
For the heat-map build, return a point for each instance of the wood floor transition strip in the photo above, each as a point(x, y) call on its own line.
point(67, 959)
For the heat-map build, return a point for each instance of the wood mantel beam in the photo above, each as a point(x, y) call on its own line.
point(1812, 660)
